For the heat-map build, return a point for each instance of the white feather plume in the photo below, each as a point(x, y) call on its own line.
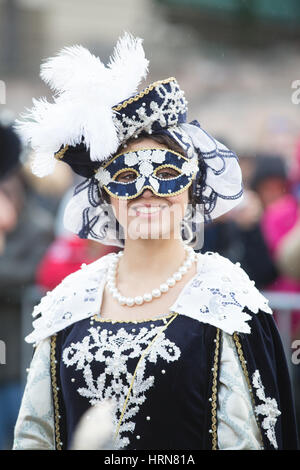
point(85, 91)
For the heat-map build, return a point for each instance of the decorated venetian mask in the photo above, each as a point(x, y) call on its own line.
point(164, 171)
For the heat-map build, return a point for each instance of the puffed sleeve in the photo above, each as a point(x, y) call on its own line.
point(34, 428)
point(237, 427)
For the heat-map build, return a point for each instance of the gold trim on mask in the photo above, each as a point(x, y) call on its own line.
point(154, 192)
point(123, 170)
point(167, 165)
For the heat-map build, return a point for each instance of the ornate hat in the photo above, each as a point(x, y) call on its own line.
point(95, 110)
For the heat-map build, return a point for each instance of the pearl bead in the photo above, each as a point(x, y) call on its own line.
point(113, 290)
point(138, 437)
point(147, 297)
point(129, 301)
point(182, 269)
point(148, 418)
point(156, 293)
point(177, 276)
point(171, 282)
point(164, 287)
point(122, 300)
point(138, 300)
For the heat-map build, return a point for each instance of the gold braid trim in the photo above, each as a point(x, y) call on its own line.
point(143, 93)
point(246, 374)
point(55, 394)
point(154, 192)
point(110, 320)
point(59, 155)
point(214, 393)
point(142, 356)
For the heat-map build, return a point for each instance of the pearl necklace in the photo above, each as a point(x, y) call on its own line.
point(147, 297)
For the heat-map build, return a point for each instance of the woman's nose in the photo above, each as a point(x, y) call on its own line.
point(147, 193)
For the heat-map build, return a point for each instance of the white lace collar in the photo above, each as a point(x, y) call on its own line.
point(216, 295)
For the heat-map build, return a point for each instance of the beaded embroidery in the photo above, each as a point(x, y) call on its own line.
point(165, 110)
point(269, 409)
point(114, 350)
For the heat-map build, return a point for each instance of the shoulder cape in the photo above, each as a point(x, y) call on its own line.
point(216, 295)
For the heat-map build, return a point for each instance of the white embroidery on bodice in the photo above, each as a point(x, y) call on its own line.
point(269, 409)
point(114, 350)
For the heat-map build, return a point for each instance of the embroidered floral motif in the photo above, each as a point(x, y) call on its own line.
point(190, 167)
point(269, 409)
point(103, 176)
point(114, 351)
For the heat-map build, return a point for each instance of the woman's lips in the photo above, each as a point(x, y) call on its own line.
point(148, 211)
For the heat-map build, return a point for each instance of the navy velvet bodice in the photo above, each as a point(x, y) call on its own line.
point(170, 405)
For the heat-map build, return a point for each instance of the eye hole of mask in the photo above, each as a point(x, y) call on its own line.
point(126, 176)
point(166, 173)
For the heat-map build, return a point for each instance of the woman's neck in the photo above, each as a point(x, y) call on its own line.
point(146, 259)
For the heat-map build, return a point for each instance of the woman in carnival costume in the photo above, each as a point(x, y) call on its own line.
point(181, 343)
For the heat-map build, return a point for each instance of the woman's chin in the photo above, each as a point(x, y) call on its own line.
point(149, 230)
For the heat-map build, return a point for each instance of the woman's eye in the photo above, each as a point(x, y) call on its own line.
point(167, 174)
point(125, 177)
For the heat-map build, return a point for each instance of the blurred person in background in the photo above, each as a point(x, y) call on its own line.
point(10, 150)
point(30, 232)
point(238, 235)
point(288, 255)
point(269, 179)
point(275, 186)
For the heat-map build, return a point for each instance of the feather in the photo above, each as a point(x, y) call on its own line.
point(85, 91)
point(128, 60)
point(95, 428)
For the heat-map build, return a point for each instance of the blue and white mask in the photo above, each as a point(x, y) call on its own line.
point(165, 172)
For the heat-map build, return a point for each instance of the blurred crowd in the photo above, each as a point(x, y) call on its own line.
point(36, 253)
